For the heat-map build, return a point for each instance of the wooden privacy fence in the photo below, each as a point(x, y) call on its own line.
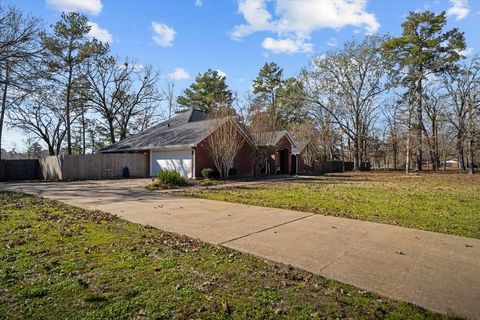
point(94, 166)
point(19, 169)
point(332, 166)
point(321, 166)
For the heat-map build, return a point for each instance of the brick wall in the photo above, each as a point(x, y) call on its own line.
point(284, 143)
point(301, 163)
point(242, 162)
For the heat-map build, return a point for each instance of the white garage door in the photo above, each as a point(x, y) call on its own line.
point(178, 160)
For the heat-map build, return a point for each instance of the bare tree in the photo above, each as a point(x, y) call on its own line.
point(329, 134)
point(434, 108)
point(263, 133)
point(39, 114)
point(225, 140)
point(68, 48)
point(170, 97)
point(473, 107)
point(140, 96)
point(463, 86)
point(120, 92)
point(262, 125)
point(345, 84)
point(308, 134)
point(18, 45)
point(392, 113)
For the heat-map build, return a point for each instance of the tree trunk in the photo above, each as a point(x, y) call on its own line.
point(471, 147)
point(460, 152)
point(433, 160)
point(357, 145)
point(395, 155)
point(111, 129)
point(471, 139)
point(436, 146)
point(84, 142)
point(123, 133)
point(419, 156)
point(4, 105)
point(408, 143)
point(356, 154)
point(69, 89)
point(445, 159)
point(51, 150)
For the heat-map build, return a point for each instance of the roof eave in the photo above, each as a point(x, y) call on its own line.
point(152, 148)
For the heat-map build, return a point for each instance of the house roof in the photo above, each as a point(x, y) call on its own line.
point(185, 130)
point(300, 145)
point(272, 138)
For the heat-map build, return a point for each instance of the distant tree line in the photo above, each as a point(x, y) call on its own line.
point(396, 102)
point(402, 102)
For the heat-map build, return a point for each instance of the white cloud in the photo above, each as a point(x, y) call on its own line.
point(163, 35)
point(288, 46)
point(467, 52)
point(293, 23)
point(459, 8)
point(256, 15)
point(179, 74)
point(90, 6)
point(320, 14)
point(198, 3)
point(221, 73)
point(99, 33)
point(332, 42)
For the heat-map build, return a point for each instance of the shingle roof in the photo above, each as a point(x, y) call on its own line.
point(272, 138)
point(300, 145)
point(182, 131)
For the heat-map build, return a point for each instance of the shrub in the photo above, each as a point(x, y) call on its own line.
point(207, 182)
point(170, 179)
point(209, 173)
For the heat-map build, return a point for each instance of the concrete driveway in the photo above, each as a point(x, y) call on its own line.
point(436, 271)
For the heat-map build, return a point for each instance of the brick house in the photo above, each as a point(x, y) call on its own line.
point(180, 144)
point(302, 153)
point(279, 161)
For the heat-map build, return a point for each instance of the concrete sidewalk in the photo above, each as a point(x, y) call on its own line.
point(436, 271)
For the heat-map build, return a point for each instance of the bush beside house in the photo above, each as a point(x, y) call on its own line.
point(168, 179)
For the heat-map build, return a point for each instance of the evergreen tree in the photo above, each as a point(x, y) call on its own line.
point(267, 86)
point(208, 92)
point(423, 48)
point(67, 49)
point(282, 99)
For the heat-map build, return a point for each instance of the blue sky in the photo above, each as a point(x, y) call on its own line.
point(182, 38)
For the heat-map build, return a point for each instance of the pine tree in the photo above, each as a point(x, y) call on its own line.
point(423, 49)
point(208, 92)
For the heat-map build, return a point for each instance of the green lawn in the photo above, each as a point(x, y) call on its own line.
point(444, 202)
point(61, 262)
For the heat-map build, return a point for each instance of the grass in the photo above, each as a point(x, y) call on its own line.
point(62, 262)
point(447, 202)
